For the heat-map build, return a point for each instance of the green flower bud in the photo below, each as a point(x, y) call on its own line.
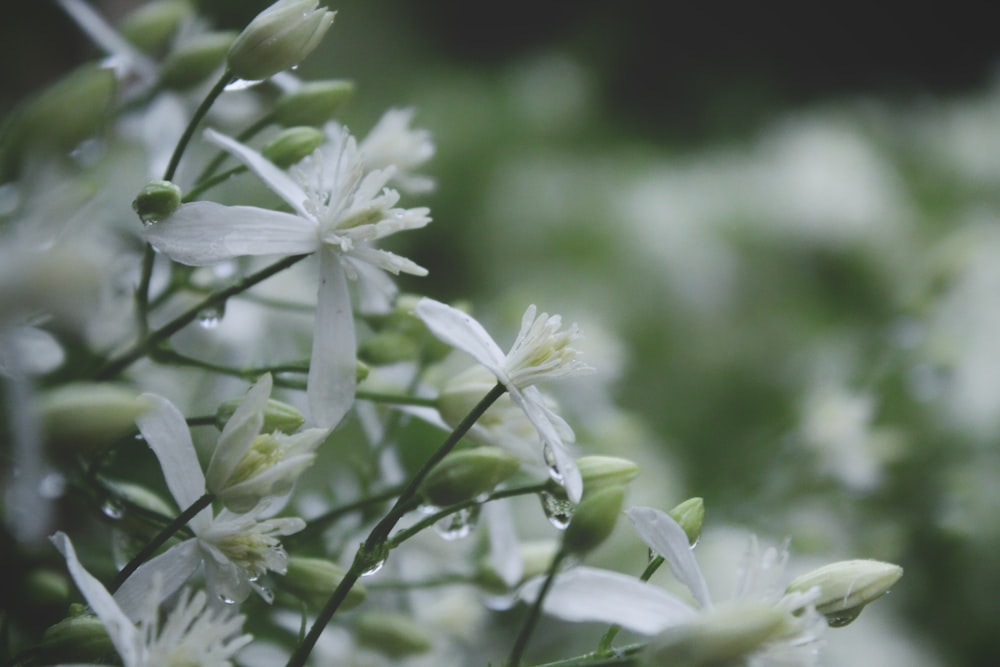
point(279, 37)
point(313, 103)
point(599, 472)
point(718, 636)
point(690, 514)
point(594, 519)
point(278, 416)
point(89, 415)
point(46, 587)
point(394, 635)
point(292, 144)
point(157, 201)
point(195, 60)
point(70, 111)
point(76, 639)
point(467, 473)
point(847, 586)
point(152, 26)
point(388, 347)
point(313, 581)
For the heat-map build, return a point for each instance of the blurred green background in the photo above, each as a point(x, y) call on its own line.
point(777, 226)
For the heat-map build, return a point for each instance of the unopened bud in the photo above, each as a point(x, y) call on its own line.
point(847, 586)
point(70, 111)
point(278, 416)
point(388, 347)
point(468, 473)
point(594, 519)
point(722, 635)
point(602, 471)
point(153, 25)
point(394, 635)
point(157, 201)
point(77, 639)
point(195, 60)
point(314, 103)
point(89, 415)
point(690, 514)
point(279, 37)
point(293, 144)
point(313, 581)
point(46, 587)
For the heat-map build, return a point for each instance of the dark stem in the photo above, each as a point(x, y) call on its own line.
point(196, 119)
point(536, 610)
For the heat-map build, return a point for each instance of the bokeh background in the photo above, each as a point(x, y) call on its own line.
point(778, 227)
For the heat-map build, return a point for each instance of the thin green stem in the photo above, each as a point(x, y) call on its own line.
point(115, 366)
point(142, 292)
point(395, 399)
point(323, 520)
point(173, 357)
point(604, 647)
point(196, 118)
point(536, 610)
point(374, 549)
point(243, 136)
point(160, 539)
point(209, 183)
point(627, 655)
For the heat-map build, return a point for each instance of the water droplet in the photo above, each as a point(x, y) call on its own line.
point(843, 618)
point(558, 510)
point(265, 593)
point(52, 486)
point(428, 509)
point(209, 317)
point(458, 525)
point(113, 509)
point(225, 600)
point(550, 463)
point(242, 84)
point(374, 568)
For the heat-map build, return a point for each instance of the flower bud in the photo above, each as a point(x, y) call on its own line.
point(599, 472)
point(314, 103)
point(279, 37)
point(195, 60)
point(594, 519)
point(70, 111)
point(152, 26)
point(388, 347)
point(76, 639)
point(690, 514)
point(847, 586)
point(89, 415)
point(395, 635)
point(278, 416)
point(313, 581)
point(292, 144)
point(467, 473)
point(46, 587)
point(157, 201)
point(721, 635)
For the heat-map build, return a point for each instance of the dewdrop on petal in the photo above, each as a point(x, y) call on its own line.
point(845, 587)
point(195, 59)
point(156, 201)
point(292, 144)
point(278, 38)
point(313, 103)
point(392, 634)
point(313, 580)
point(466, 474)
point(690, 514)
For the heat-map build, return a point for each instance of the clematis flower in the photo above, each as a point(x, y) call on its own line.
point(339, 209)
point(192, 633)
point(392, 142)
point(236, 549)
point(761, 625)
point(540, 352)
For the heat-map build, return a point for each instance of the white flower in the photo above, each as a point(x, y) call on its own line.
point(236, 549)
point(392, 143)
point(788, 628)
point(192, 633)
point(541, 351)
point(339, 209)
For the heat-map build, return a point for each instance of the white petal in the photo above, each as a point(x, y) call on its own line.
point(666, 537)
point(276, 179)
point(333, 365)
point(387, 261)
point(461, 331)
point(123, 633)
point(602, 596)
point(169, 570)
point(505, 556)
point(166, 432)
point(110, 41)
point(531, 401)
point(238, 434)
point(204, 232)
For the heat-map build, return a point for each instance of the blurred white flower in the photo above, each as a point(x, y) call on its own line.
point(393, 143)
point(339, 209)
point(193, 633)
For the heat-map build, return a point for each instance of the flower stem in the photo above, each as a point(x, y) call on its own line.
point(604, 647)
point(160, 540)
point(323, 520)
point(203, 185)
point(536, 610)
point(395, 399)
point(196, 119)
point(627, 655)
point(115, 366)
point(375, 545)
point(242, 137)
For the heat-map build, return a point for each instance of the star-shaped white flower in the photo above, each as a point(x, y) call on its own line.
point(541, 351)
point(593, 594)
point(193, 633)
point(339, 209)
point(236, 549)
